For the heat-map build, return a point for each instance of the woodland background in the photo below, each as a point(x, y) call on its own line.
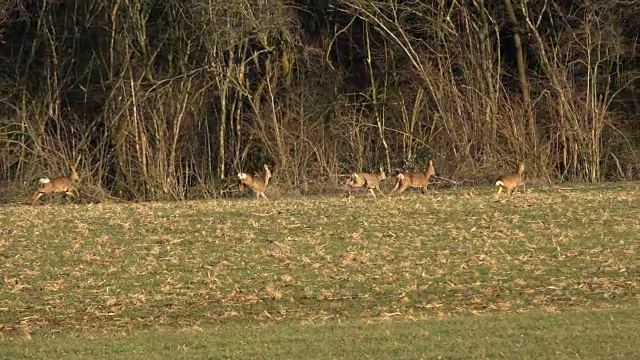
point(153, 98)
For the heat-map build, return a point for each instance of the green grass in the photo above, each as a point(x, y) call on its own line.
point(591, 335)
point(453, 273)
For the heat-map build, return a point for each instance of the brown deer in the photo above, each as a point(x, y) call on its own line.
point(510, 182)
point(255, 183)
point(62, 184)
point(367, 180)
point(414, 179)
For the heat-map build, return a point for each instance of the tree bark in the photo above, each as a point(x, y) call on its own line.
point(522, 72)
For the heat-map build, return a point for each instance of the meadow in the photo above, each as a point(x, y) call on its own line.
point(551, 272)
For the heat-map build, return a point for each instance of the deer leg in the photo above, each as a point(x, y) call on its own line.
point(517, 187)
point(36, 196)
point(68, 195)
point(395, 187)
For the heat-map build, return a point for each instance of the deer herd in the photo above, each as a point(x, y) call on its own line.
point(420, 179)
point(258, 184)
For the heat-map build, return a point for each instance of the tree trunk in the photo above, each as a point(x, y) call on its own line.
point(522, 71)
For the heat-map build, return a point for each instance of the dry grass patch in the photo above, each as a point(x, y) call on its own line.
point(116, 267)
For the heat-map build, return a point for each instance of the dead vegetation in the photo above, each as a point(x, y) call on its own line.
point(160, 100)
point(117, 267)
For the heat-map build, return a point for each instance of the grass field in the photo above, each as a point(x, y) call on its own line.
point(551, 273)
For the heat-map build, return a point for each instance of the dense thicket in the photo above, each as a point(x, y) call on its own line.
point(152, 97)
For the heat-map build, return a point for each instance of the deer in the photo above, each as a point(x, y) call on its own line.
point(61, 184)
point(414, 179)
point(255, 183)
point(510, 182)
point(370, 181)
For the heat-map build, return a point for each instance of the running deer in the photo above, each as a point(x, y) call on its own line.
point(510, 182)
point(255, 183)
point(62, 184)
point(367, 180)
point(414, 179)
